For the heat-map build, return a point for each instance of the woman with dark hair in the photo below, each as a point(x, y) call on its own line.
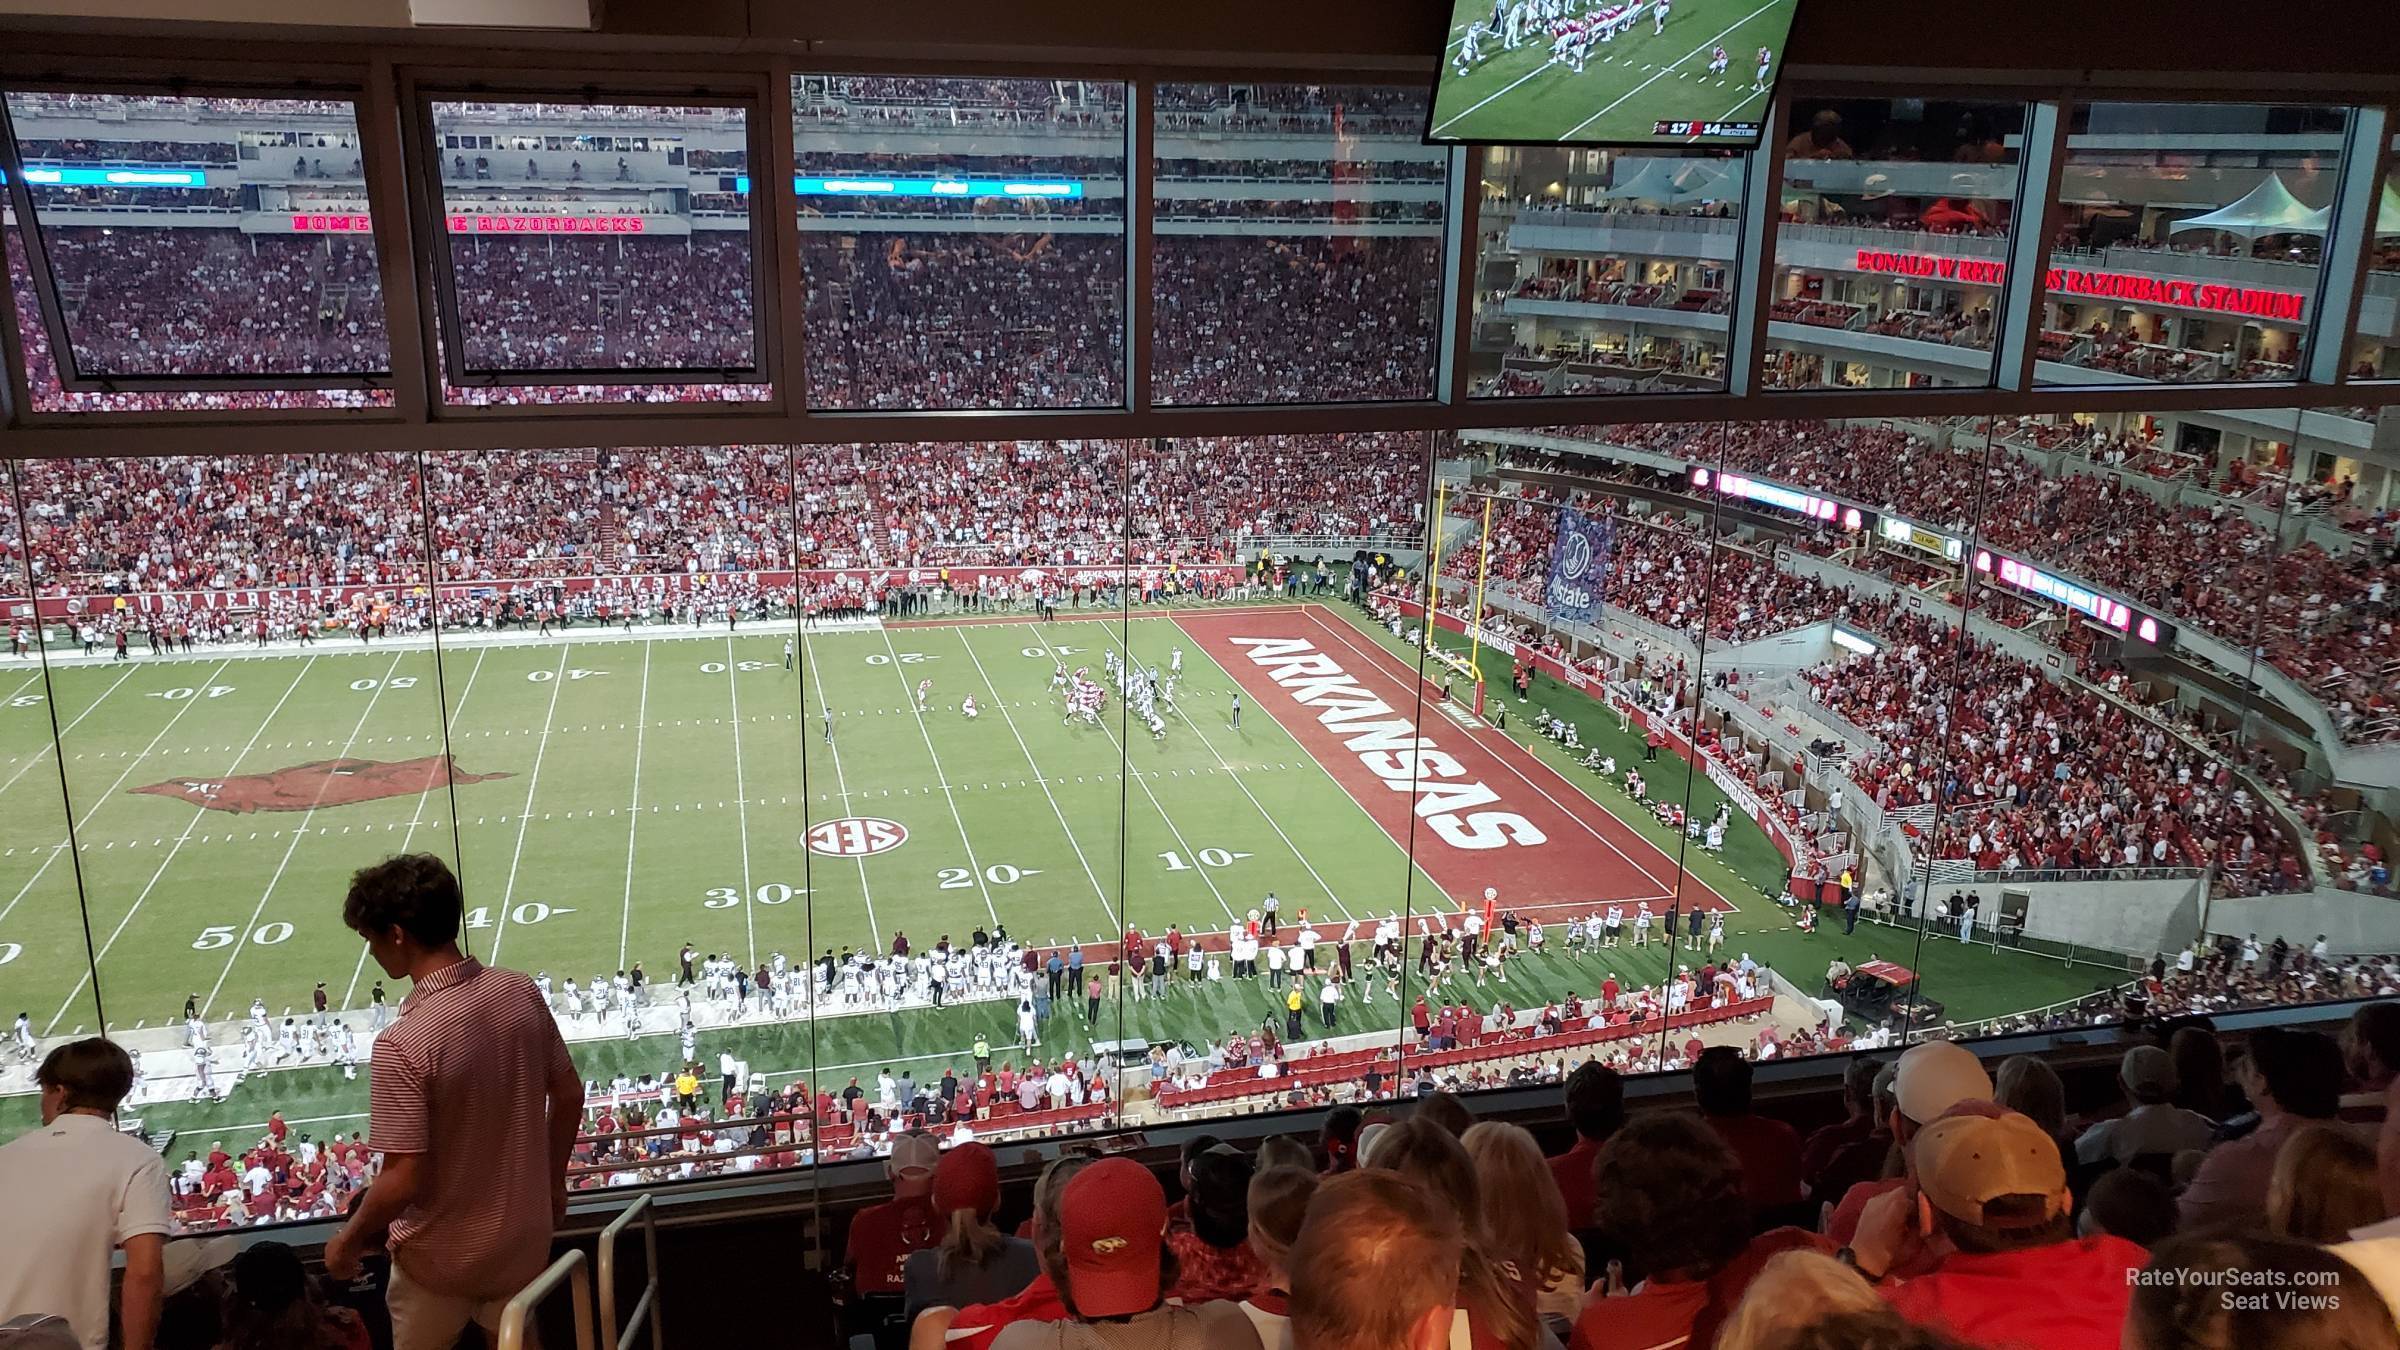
point(1667, 1189)
point(1214, 1252)
point(2255, 1293)
point(274, 1306)
point(2200, 1073)
point(1339, 1138)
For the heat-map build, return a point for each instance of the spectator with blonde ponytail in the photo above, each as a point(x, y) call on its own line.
point(1526, 1218)
point(1278, 1203)
point(1500, 1309)
point(974, 1262)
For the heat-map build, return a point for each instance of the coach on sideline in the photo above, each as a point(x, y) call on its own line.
point(473, 1109)
point(91, 1189)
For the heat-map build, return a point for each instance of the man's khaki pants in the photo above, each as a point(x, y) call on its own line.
point(425, 1320)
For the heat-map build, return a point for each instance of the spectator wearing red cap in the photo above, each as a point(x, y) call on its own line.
point(975, 1262)
point(1110, 1260)
point(1993, 1189)
point(882, 1236)
point(975, 1326)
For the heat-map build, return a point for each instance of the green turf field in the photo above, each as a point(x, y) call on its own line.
point(1628, 84)
point(643, 793)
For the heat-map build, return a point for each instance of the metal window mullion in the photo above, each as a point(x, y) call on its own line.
point(1141, 169)
point(1462, 230)
point(2349, 250)
point(37, 260)
point(789, 369)
point(2017, 334)
point(1754, 259)
point(384, 159)
point(437, 292)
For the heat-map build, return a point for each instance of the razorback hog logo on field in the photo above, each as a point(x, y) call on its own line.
point(324, 782)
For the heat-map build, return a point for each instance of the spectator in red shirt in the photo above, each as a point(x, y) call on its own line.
point(1670, 1197)
point(1769, 1149)
point(973, 1327)
point(1858, 1096)
point(474, 1105)
point(1212, 1254)
point(882, 1236)
point(1930, 1079)
point(1595, 1097)
point(1994, 1189)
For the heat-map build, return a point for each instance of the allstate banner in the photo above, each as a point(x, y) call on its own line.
point(1579, 559)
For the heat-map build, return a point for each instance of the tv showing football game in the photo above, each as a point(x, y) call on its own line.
point(1641, 73)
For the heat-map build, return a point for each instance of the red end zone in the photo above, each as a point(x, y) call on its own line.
point(1484, 811)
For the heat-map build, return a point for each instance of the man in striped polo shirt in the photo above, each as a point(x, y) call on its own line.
point(473, 1109)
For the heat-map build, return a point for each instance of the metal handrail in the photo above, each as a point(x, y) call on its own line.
point(570, 1269)
point(617, 1335)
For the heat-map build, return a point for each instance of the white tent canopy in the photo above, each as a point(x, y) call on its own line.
point(1677, 180)
point(2269, 208)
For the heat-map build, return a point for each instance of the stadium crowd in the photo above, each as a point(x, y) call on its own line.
point(2325, 621)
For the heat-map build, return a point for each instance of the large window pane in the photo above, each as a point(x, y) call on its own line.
point(2375, 346)
point(246, 688)
point(205, 236)
point(42, 956)
point(964, 241)
point(957, 814)
point(1603, 272)
point(2188, 248)
point(1889, 261)
point(597, 237)
point(1297, 244)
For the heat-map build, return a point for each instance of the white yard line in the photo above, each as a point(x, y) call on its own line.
point(198, 815)
point(241, 939)
point(1125, 757)
point(633, 827)
point(741, 796)
point(48, 746)
point(450, 715)
point(974, 864)
point(1663, 72)
point(110, 792)
point(1109, 915)
point(1378, 653)
point(1268, 816)
point(533, 783)
point(817, 677)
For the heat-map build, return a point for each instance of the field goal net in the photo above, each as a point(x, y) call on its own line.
point(1453, 678)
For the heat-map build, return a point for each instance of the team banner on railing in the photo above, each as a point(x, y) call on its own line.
point(1579, 561)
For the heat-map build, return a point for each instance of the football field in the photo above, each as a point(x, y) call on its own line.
point(1645, 74)
point(618, 796)
point(609, 798)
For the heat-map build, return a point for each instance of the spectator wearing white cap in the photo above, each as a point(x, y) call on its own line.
point(1930, 1079)
point(2154, 1126)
